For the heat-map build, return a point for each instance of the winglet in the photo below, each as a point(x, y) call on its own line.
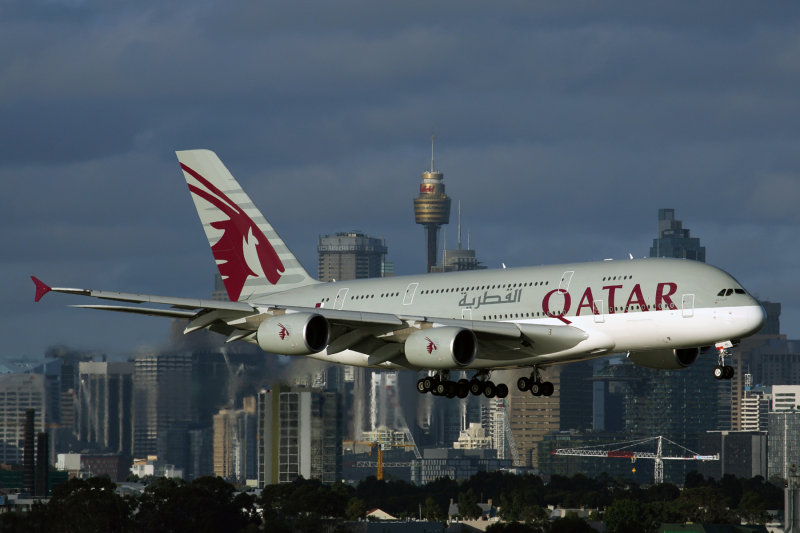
point(42, 288)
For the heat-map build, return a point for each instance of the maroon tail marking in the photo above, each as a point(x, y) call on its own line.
point(229, 250)
point(42, 288)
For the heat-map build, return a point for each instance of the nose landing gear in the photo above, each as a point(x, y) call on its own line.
point(721, 370)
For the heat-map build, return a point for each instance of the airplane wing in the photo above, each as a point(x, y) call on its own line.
point(378, 335)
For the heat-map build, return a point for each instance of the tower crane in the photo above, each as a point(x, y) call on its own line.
point(623, 450)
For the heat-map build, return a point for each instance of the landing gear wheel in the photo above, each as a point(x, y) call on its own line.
point(547, 388)
point(536, 388)
point(719, 372)
point(440, 389)
point(728, 372)
point(489, 389)
point(524, 384)
point(502, 390)
point(421, 386)
point(476, 387)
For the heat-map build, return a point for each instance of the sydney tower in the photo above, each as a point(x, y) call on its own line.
point(432, 208)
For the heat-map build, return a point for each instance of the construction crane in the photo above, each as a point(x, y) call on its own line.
point(512, 445)
point(622, 450)
point(379, 464)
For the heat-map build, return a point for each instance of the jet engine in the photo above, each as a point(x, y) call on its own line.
point(294, 334)
point(445, 347)
point(668, 359)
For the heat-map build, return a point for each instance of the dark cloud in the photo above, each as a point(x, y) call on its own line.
point(562, 129)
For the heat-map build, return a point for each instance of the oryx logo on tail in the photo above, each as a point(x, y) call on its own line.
point(243, 250)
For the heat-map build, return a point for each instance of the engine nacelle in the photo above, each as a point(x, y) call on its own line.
point(446, 347)
point(668, 359)
point(294, 334)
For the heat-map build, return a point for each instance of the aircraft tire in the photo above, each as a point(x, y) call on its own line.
point(502, 390)
point(476, 387)
point(719, 372)
point(547, 388)
point(728, 372)
point(524, 384)
point(440, 389)
point(429, 383)
point(489, 389)
point(462, 388)
point(536, 388)
point(421, 386)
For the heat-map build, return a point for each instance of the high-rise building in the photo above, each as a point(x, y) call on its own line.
point(162, 399)
point(674, 241)
point(18, 393)
point(783, 443)
point(105, 406)
point(350, 255)
point(459, 258)
point(235, 442)
point(299, 434)
point(432, 209)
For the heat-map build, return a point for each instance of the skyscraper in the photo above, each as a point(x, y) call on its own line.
point(105, 406)
point(432, 208)
point(350, 255)
point(674, 241)
point(299, 434)
point(19, 392)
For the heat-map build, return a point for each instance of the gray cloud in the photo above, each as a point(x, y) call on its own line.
point(562, 129)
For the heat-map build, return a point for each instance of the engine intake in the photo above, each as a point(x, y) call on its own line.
point(294, 334)
point(446, 347)
point(665, 359)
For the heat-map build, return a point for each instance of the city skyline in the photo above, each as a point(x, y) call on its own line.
point(566, 156)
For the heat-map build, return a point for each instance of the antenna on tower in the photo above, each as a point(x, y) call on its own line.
point(432, 138)
point(459, 224)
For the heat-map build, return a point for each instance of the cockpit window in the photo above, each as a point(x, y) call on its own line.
point(728, 292)
point(721, 293)
point(739, 291)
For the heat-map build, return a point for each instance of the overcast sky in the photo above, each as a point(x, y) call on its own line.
point(562, 127)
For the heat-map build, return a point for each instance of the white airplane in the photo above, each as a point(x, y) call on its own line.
point(662, 312)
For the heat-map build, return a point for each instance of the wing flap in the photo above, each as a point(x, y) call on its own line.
point(170, 313)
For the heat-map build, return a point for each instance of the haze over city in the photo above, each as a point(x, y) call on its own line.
point(561, 129)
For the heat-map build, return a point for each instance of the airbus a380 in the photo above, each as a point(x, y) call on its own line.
point(662, 312)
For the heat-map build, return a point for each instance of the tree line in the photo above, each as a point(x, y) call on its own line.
point(212, 504)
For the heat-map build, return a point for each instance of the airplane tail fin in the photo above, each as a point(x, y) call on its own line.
point(251, 257)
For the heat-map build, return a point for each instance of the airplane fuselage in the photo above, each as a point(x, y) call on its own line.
point(636, 305)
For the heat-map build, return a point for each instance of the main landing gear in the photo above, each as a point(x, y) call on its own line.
point(535, 384)
point(440, 385)
point(723, 371)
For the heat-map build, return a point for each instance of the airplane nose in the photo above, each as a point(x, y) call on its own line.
point(752, 319)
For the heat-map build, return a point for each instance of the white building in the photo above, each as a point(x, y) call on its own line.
point(473, 438)
point(19, 392)
point(785, 397)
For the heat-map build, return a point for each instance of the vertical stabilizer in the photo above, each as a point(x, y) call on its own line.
point(252, 259)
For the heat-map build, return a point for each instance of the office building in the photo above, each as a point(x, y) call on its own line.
point(105, 406)
point(458, 259)
point(350, 255)
point(783, 443)
point(458, 465)
point(674, 241)
point(18, 393)
point(162, 400)
point(299, 434)
point(235, 443)
point(741, 453)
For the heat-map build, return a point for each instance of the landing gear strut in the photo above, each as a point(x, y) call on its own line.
point(535, 384)
point(723, 371)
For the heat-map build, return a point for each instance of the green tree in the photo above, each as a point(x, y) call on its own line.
point(571, 523)
point(86, 505)
point(356, 509)
point(624, 516)
point(468, 505)
point(432, 511)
